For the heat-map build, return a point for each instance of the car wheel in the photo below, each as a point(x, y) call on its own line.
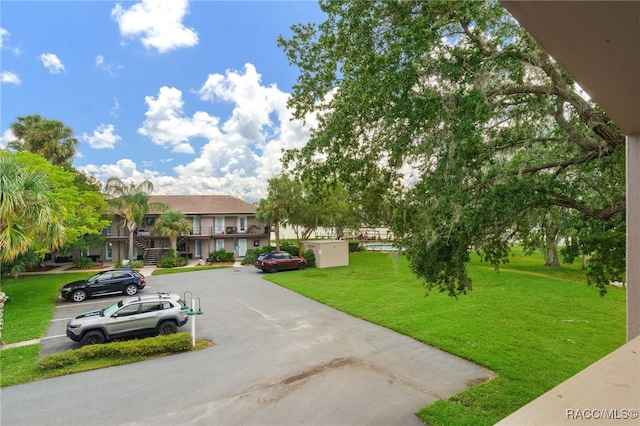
point(94, 337)
point(79, 295)
point(302, 265)
point(167, 327)
point(273, 269)
point(131, 290)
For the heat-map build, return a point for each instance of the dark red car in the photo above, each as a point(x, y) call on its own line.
point(279, 261)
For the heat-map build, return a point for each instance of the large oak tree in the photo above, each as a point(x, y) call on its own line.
point(450, 124)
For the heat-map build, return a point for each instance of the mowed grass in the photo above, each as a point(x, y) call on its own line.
point(533, 326)
point(533, 329)
point(32, 300)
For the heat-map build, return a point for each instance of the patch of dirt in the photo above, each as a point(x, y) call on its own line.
point(86, 269)
point(335, 363)
point(45, 268)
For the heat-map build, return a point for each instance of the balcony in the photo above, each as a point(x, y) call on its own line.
point(217, 232)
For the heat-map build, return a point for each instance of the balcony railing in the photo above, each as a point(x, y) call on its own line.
point(219, 232)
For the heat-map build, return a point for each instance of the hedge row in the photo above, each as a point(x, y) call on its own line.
point(178, 342)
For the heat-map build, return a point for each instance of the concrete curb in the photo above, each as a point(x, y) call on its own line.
point(18, 344)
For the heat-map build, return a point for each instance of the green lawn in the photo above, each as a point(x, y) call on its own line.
point(533, 326)
point(29, 309)
point(533, 330)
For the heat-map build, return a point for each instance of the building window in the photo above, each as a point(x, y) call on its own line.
point(219, 225)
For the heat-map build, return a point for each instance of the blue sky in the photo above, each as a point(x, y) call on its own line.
point(189, 95)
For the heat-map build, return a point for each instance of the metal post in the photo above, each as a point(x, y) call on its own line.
point(193, 322)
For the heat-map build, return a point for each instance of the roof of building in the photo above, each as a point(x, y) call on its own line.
point(205, 204)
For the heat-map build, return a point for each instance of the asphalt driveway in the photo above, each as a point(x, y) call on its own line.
point(278, 359)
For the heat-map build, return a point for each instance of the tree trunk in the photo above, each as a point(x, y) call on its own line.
point(130, 245)
point(551, 249)
point(276, 225)
point(3, 297)
point(132, 228)
point(551, 257)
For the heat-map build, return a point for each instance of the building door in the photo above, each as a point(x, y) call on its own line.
point(242, 224)
point(198, 248)
point(219, 225)
point(242, 247)
point(196, 225)
point(108, 252)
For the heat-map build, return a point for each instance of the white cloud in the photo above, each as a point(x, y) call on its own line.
point(102, 137)
point(124, 169)
point(6, 137)
point(3, 34)
point(101, 64)
point(10, 78)
point(166, 124)
point(240, 153)
point(52, 63)
point(115, 108)
point(158, 23)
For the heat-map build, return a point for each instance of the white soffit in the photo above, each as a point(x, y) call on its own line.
point(597, 43)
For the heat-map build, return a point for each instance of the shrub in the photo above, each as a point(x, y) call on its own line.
point(170, 260)
point(159, 345)
point(220, 256)
point(137, 264)
point(355, 246)
point(83, 262)
point(252, 254)
point(310, 257)
point(290, 248)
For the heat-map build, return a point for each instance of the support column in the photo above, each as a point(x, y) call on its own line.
point(633, 236)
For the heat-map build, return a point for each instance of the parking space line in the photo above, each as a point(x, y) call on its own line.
point(76, 305)
point(54, 337)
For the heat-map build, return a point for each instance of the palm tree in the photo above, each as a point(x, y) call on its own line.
point(131, 201)
point(173, 224)
point(28, 215)
point(50, 138)
point(268, 212)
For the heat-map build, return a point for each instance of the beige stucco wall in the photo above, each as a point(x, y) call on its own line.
point(329, 253)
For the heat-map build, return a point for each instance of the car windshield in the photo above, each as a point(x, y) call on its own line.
point(111, 309)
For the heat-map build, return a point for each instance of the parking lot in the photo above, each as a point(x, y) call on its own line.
point(278, 358)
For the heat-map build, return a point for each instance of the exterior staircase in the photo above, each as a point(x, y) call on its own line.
point(151, 256)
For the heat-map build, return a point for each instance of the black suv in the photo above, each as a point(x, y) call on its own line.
point(124, 281)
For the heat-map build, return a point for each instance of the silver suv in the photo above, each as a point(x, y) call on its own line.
point(148, 314)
